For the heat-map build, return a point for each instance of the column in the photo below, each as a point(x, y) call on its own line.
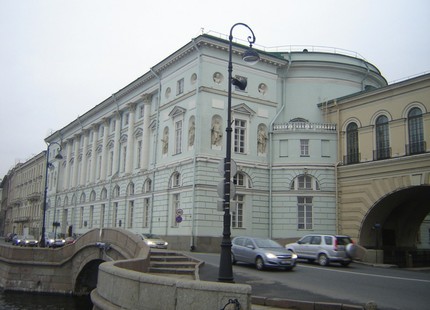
point(83, 179)
point(68, 158)
point(130, 138)
point(105, 153)
point(147, 99)
point(76, 160)
point(94, 154)
point(116, 142)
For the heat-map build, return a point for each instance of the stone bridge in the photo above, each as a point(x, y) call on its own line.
point(72, 269)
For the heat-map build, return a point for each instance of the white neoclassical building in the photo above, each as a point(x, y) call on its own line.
point(147, 158)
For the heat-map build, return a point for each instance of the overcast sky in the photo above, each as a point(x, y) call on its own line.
point(58, 59)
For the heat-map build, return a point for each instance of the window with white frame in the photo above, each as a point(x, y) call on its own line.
point(90, 224)
point(304, 213)
point(175, 180)
point(178, 137)
point(147, 187)
point(180, 87)
point(237, 211)
point(305, 182)
point(130, 214)
point(242, 180)
point(240, 136)
point(304, 147)
point(146, 205)
point(176, 204)
point(102, 215)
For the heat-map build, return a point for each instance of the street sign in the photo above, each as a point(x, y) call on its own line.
point(220, 189)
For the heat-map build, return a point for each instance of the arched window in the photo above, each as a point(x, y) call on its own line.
point(352, 154)
point(415, 132)
point(305, 182)
point(103, 194)
point(130, 189)
point(115, 192)
point(147, 186)
point(175, 180)
point(242, 180)
point(93, 196)
point(383, 149)
point(82, 199)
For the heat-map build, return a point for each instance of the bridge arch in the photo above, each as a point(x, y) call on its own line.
point(394, 220)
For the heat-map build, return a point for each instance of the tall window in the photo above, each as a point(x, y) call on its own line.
point(178, 137)
point(124, 157)
point(130, 213)
point(145, 221)
point(102, 215)
point(90, 224)
point(382, 138)
point(352, 144)
point(139, 154)
point(176, 204)
point(180, 87)
point(415, 132)
point(237, 212)
point(115, 214)
point(239, 136)
point(304, 147)
point(304, 213)
point(81, 217)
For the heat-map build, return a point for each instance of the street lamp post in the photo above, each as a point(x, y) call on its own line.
point(251, 56)
point(48, 164)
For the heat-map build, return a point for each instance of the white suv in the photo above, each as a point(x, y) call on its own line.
point(324, 249)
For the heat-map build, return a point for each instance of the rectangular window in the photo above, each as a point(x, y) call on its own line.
point(304, 147)
point(180, 87)
point(110, 162)
point(125, 119)
point(176, 205)
point(239, 136)
point(102, 215)
point(81, 217)
point(130, 213)
point(139, 154)
point(304, 216)
point(141, 110)
point(237, 212)
point(145, 212)
point(115, 214)
point(90, 224)
point(178, 137)
point(124, 158)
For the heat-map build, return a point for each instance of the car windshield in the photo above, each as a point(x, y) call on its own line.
point(150, 236)
point(267, 243)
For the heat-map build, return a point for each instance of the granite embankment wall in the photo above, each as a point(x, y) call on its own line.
point(126, 285)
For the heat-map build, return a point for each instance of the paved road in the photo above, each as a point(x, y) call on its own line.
point(390, 288)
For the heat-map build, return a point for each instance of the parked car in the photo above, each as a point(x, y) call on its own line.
point(154, 241)
point(54, 241)
point(69, 240)
point(9, 237)
point(324, 249)
point(16, 240)
point(29, 240)
point(264, 253)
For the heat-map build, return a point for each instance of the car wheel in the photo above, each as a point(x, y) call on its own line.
point(259, 263)
point(233, 259)
point(323, 260)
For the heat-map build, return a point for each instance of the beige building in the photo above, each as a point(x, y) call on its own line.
point(23, 213)
point(383, 178)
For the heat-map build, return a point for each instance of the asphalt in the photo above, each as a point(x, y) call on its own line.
point(275, 295)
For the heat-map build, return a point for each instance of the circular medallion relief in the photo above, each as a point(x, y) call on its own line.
point(218, 77)
point(262, 88)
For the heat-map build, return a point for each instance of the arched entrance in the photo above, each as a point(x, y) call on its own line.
point(393, 223)
point(87, 278)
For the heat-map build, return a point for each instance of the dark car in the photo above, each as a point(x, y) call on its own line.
point(264, 253)
point(9, 237)
point(324, 249)
point(16, 240)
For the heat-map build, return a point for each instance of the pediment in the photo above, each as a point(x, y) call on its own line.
point(243, 109)
point(176, 111)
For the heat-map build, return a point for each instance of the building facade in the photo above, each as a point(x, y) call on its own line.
point(147, 158)
point(24, 188)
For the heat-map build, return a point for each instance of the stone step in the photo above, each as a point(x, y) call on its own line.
point(165, 270)
point(175, 264)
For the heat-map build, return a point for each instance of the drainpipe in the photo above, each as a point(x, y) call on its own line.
point(196, 144)
point(336, 167)
point(271, 146)
point(155, 149)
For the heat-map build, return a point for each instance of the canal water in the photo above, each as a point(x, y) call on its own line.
point(30, 301)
